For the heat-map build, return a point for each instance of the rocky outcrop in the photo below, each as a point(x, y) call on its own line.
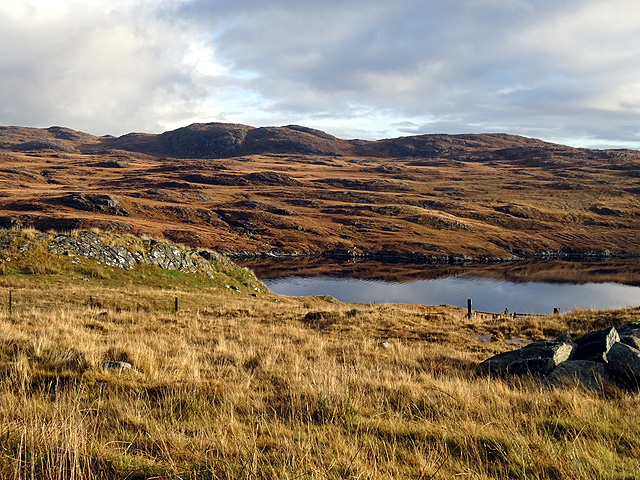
point(271, 178)
point(54, 145)
point(170, 257)
point(209, 140)
point(108, 365)
point(95, 202)
point(594, 360)
point(90, 245)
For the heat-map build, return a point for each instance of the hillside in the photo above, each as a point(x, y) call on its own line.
point(102, 377)
point(298, 191)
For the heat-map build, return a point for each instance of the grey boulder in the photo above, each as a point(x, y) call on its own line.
point(537, 359)
point(593, 375)
point(624, 363)
point(594, 346)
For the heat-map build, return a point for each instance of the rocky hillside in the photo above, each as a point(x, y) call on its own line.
point(94, 254)
point(223, 140)
point(298, 191)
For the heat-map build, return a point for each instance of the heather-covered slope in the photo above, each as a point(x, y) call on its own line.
point(294, 190)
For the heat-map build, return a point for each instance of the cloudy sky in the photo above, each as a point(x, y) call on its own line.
point(566, 71)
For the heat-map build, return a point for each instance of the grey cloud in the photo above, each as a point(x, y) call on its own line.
point(535, 67)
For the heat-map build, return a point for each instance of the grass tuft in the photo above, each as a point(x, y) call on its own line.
point(234, 386)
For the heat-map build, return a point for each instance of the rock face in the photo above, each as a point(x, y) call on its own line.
point(630, 333)
point(538, 358)
point(210, 140)
point(624, 363)
point(89, 245)
point(594, 360)
point(592, 375)
point(94, 202)
point(595, 345)
point(169, 257)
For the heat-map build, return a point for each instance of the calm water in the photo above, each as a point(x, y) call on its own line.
point(487, 294)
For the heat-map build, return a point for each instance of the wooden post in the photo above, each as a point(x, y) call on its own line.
point(176, 306)
point(10, 302)
point(91, 302)
point(469, 307)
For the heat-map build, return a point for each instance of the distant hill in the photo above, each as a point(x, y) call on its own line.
point(222, 140)
point(294, 190)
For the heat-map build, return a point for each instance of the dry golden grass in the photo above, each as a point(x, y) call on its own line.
point(237, 387)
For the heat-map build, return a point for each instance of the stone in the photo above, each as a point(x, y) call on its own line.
point(592, 375)
point(271, 178)
point(116, 365)
point(89, 245)
point(631, 341)
point(630, 333)
point(95, 202)
point(624, 363)
point(629, 329)
point(537, 359)
point(170, 257)
point(595, 345)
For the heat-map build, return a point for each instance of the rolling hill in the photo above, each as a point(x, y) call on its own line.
point(293, 190)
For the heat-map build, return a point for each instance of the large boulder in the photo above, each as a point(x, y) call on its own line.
point(624, 363)
point(593, 375)
point(95, 202)
point(630, 333)
point(595, 345)
point(170, 257)
point(537, 359)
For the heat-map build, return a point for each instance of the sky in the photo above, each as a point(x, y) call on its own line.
point(564, 71)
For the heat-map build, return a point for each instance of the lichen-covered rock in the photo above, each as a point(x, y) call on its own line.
point(592, 375)
point(108, 365)
point(537, 359)
point(89, 245)
point(630, 333)
point(95, 202)
point(624, 363)
point(595, 345)
point(170, 257)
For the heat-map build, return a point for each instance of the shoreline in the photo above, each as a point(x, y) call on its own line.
point(419, 258)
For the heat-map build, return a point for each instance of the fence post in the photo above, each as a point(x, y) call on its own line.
point(10, 302)
point(469, 307)
point(91, 302)
point(176, 305)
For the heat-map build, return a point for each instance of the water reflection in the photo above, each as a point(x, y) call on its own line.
point(550, 271)
point(528, 287)
point(487, 294)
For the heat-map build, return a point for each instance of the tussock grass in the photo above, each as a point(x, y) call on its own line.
point(234, 386)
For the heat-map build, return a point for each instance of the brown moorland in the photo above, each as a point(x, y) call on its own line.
point(295, 190)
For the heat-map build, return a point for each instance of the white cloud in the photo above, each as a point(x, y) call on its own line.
point(362, 68)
